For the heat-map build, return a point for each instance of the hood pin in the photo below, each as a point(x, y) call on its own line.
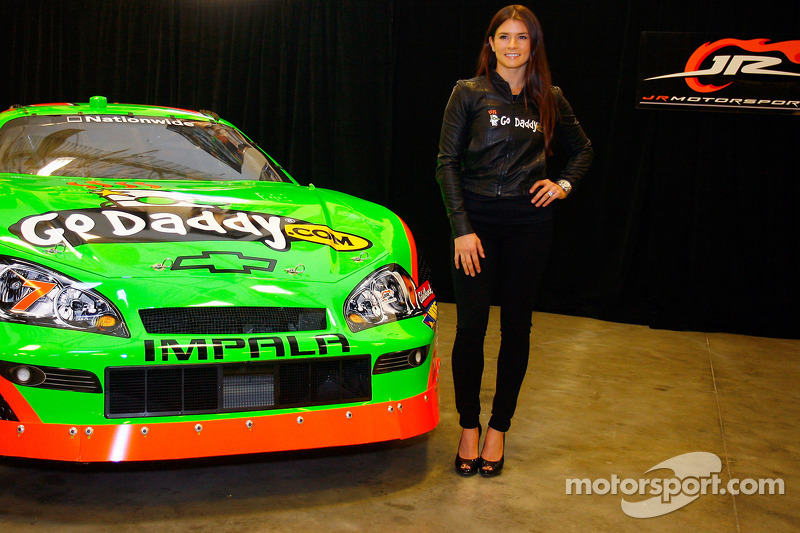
point(299, 269)
point(363, 256)
point(163, 265)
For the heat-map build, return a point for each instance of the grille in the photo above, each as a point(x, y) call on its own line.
point(70, 380)
point(231, 320)
point(392, 362)
point(232, 387)
point(47, 377)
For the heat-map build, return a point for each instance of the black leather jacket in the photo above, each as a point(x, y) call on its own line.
point(493, 146)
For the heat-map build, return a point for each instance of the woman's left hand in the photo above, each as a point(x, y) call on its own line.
point(548, 191)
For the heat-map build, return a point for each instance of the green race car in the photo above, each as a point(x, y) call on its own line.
point(168, 291)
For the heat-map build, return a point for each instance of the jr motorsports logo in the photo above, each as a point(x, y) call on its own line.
point(136, 215)
point(691, 70)
point(692, 475)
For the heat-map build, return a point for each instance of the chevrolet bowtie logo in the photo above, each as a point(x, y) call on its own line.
point(224, 263)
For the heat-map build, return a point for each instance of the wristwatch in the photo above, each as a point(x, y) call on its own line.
point(564, 184)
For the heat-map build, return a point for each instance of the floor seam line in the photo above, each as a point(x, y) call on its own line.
point(722, 431)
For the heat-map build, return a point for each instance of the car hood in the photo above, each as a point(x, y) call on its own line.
point(145, 229)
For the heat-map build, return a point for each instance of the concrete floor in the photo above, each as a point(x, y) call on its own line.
point(600, 400)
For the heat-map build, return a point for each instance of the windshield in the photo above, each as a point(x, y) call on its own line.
point(132, 148)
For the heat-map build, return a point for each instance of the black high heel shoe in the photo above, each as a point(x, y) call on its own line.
point(468, 467)
point(493, 468)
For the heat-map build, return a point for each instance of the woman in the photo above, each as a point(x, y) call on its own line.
point(497, 131)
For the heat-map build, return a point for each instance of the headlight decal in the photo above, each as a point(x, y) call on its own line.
point(387, 295)
point(40, 289)
point(36, 295)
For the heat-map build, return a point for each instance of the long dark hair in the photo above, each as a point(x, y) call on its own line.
point(537, 71)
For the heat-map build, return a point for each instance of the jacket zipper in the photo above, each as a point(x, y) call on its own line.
point(509, 142)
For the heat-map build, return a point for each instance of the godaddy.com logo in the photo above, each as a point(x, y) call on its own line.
point(694, 474)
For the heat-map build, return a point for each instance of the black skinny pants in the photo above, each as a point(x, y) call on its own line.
point(516, 256)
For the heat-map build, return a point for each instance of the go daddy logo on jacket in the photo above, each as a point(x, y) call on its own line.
point(128, 219)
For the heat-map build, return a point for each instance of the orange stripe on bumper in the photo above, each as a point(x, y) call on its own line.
point(358, 424)
point(17, 403)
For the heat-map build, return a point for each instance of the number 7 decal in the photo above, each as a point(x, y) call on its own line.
point(40, 289)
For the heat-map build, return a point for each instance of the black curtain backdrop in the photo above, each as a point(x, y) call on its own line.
point(687, 220)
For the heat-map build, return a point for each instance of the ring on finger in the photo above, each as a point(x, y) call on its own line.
point(550, 193)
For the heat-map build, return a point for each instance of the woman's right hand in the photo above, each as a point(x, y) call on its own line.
point(468, 251)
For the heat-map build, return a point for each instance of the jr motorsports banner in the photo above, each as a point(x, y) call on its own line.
point(719, 72)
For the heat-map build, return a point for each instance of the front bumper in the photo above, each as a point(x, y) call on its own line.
point(298, 430)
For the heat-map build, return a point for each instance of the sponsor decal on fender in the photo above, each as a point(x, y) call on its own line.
point(719, 73)
point(425, 294)
point(431, 315)
point(162, 216)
